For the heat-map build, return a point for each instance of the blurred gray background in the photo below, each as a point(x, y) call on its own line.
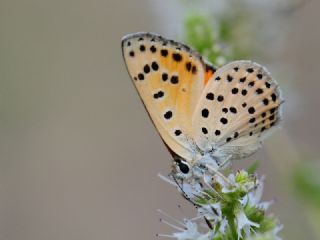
point(79, 156)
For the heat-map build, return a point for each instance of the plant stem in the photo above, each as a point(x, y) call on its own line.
point(231, 223)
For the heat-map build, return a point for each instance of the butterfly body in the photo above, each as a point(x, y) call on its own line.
point(203, 114)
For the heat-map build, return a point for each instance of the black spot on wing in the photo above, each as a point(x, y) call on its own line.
point(220, 98)
point(251, 110)
point(153, 49)
point(205, 112)
point(164, 52)
point(154, 66)
point(164, 77)
point(174, 79)
point(204, 130)
point(177, 57)
point(168, 115)
point(210, 96)
point(146, 69)
point(224, 120)
point(177, 132)
point(142, 48)
point(141, 76)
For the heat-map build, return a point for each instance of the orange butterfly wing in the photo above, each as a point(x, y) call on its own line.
point(170, 79)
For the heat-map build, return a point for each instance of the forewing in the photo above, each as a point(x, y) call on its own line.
point(170, 79)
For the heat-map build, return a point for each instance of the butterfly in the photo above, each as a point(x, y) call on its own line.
point(204, 114)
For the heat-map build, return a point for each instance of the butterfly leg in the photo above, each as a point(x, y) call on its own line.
point(225, 163)
point(184, 194)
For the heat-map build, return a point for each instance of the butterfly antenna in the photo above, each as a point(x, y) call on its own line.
point(225, 163)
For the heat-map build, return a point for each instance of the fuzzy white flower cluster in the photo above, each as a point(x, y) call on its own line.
point(228, 208)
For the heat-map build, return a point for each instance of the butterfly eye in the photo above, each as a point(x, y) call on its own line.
point(184, 168)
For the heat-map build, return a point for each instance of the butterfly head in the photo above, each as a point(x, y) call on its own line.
point(191, 175)
point(183, 169)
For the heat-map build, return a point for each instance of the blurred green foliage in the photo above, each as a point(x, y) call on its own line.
point(306, 183)
point(216, 38)
point(306, 179)
point(200, 34)
point(253, 167)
